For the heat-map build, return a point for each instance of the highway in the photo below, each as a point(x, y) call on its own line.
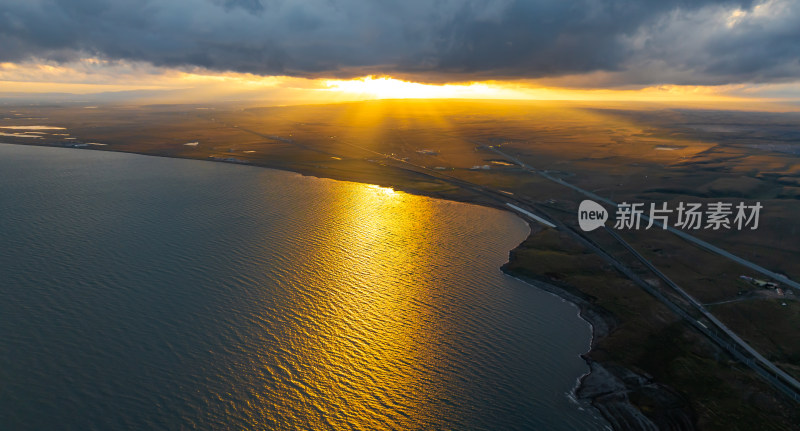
point(718, 331)
point(768, 370)
point(764, 362)
point(685, 236)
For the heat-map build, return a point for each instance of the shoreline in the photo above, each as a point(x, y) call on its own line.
point(304, 172)
point(603, 390)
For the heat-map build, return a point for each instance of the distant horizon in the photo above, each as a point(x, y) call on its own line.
point(133, 98)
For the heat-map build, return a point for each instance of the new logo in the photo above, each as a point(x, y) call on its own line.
point(591, 215)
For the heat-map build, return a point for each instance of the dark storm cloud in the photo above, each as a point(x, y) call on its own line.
point(252, 6)
point(639, 42)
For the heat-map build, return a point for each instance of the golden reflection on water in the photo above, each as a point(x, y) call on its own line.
point(361, 362)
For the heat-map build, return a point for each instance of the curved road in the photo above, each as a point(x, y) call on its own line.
point(710, 247)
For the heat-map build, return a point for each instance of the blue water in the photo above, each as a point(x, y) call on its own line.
point(152, 293)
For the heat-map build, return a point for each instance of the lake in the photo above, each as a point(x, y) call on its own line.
point(154, 293)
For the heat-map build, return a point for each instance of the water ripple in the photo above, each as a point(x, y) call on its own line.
point(151, 293)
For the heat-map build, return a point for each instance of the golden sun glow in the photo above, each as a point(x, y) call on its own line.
point(197, 85)
point(371, 87)
point(391, 88)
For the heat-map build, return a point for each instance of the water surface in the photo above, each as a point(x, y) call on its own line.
point(153, 293)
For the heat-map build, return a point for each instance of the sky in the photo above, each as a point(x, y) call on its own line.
point(307, 49)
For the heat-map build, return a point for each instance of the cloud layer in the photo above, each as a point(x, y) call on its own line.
point(616, 42)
